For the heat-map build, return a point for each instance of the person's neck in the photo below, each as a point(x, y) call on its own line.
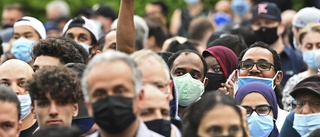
point(278, 46)
point(129, 132)
point(28, 121)
point(310, 71)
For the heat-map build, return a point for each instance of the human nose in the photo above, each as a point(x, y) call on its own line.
point(306, 109)
point(158, 114)
point(53, 111)
point(18, 90)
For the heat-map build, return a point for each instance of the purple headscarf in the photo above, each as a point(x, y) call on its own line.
point(226, 58)
point(267, 92)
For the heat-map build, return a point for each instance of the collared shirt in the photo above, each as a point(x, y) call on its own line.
point(291, 63)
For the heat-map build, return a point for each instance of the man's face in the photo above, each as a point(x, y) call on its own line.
point(80, 35)
point(112, 78)
point(54, 112)
point(15, 77)
point(264, 22)
point(25, 31)
point(155, 105)
point(310, 100)
point(154, 73)
point(188, 63)
point(42, 61)
point(11, 125)
point(9, 17)
point(111, 42)
point(152, 9)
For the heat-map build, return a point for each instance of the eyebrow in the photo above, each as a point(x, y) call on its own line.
point(27, 33)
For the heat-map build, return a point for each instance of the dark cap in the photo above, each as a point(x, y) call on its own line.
point(266, 10)
point(106, 11)
point(311, 83)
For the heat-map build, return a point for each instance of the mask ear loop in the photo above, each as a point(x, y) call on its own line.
point(275, 76)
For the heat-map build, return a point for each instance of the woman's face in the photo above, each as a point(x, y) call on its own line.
point(254, 100)
point(310, 42)
point(213, 65)
point(216, 123)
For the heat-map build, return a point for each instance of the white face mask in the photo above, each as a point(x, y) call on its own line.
point(25, 102)
point(85, 46)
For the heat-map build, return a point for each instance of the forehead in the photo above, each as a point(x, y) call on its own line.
point(152, 70)
point(258, 54)
point(262, 19)
point(77, 31)
point(254, 99)
point(16, 72)
point(111, 36)
point(188, 61)
point(24, 29)
point(6, 111)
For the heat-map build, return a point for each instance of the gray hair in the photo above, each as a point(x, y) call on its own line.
point(140, 55)
point(61, 6)
point(108, 56)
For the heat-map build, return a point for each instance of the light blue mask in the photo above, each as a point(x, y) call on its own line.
point(309, 58)
point(85, 46)
point(25, 102)
point(260, 126)
point(240, 7)
point(21, 49)
point(306, 123)
point(221, 18)
point(247, 79)
point(189, 89)
point(191, 2)
point(295, 45)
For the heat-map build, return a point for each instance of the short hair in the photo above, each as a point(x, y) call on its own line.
point(165, 56)
point(196, 111)
point(276, 57)
point(66, 50)
point(108, 56)
point(61, 5)
point(102, 39)
point(163, 6)
point(176, 46)
point(177, 54)
point(311, 27)
point(234, 42)
point(60, 82)
point(16, 6)
point(140, 55)
point(156, 30)
point(58, 131)
point(8, 95)
point(199, 27)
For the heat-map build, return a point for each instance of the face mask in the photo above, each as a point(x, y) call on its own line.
point(306, 123)
point(160, 126)
point(221, 18)
point(267, 35)
point(247, 79)
point(240, 7)
point(84, 124)
point(260, 126)
point(85, 46)
point(309, 58)
point(114, 114)
point(295, 45)
point(191, 2)
point(215, 81)
point(25, 102)
point(21, 49)
point(189, 89)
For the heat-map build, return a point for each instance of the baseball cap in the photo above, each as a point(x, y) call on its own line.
point(34, 23)
point(305, 16)
point(311, 83)
point(266, 10)
point(85, 23)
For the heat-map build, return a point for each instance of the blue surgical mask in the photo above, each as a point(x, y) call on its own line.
point(260, 126)
point(221, 18)
point(309, 58)
point(21, 49)
point(25, 102)
point(240, 7)
point(295, 45)
point(189, 89)
point(247, 79)
point(306, 123)
point(191, 2)
point(86, 47)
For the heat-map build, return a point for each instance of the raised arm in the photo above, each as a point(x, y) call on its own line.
point(125, 27)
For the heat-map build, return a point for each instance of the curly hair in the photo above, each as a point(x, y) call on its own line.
point(66, 50)
point(60, 82)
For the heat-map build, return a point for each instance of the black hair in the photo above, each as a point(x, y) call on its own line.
point(79, 22)
point(196, 111)
point(164, 7)
point(102, 39)
point(60, 82)
point(156, 30)
point(276, 57)
point(234, 42)
point(177, 54)
point(57, 131)
point(77, 67)
point(165, 56)
point(176, 46)
point(8, 95)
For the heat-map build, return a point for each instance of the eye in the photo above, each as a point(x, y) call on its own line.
point(215, 130)
point(5, 83)
point(42, 103)
point(264, 65)
point(7, 126)
point(62, 103)
point(82, 39)
point(99, 93)
point(233, 130)
point(247, 64)
point(179, 73)
point(217, 69)
point(22, 83)
point(145, 113)
point(165, 113)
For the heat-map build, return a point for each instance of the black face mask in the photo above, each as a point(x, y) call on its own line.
point(267, 35)
point(215, 81)
point(161, 126)
point(113, 114)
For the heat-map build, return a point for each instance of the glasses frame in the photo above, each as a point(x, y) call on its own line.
point(255, 63)
point(252, 110)
point(310, 103)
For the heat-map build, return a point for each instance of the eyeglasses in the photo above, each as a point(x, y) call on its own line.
point(262, 66)
point(298, 104)
point(262, 110)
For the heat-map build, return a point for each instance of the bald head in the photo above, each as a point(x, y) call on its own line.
point(14, 73)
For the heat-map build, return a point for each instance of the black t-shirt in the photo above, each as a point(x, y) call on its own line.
point(28, 132)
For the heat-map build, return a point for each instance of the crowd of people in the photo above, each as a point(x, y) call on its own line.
point(240, 69)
